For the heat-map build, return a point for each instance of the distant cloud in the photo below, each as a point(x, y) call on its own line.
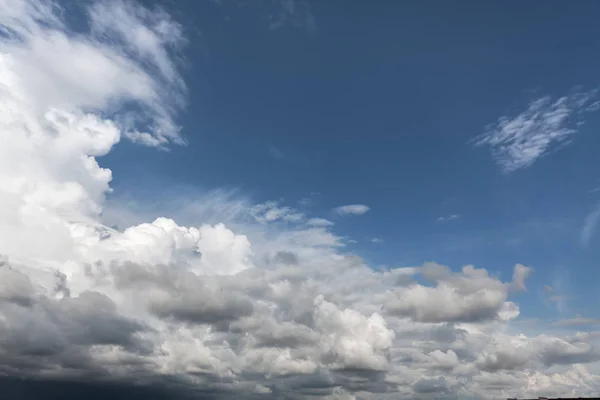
point(295, 13)
point(448, 218)
point(377, 240)
point(352, 209)
point(518, 141)
point(579, 320)
point(520, 275)
point(555, 294)
point(309, 200)
point(305, 202)
point(272, 212)
point(276, 153)
point(557, 299)
point(589, 225)
point(319, 222)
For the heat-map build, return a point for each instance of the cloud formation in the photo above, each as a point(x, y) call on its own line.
point(259, 305)
point(319, 222)
point(518, 141)
point(352, 209)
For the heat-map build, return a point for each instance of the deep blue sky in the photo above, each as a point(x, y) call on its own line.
point(378, 105)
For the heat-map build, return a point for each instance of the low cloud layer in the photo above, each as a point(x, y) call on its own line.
point(218, 309)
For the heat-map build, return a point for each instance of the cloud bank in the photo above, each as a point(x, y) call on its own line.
point(261, 305)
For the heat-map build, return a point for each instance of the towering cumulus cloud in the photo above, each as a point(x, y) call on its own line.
point(204, 311)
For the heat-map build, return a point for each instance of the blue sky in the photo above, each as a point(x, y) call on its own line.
point(379, 104)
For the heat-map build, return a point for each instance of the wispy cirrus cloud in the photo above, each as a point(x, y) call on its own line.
point(445, 218)
point(352, 209)
point(577, 321)
point(518, 141)
point(589, 225)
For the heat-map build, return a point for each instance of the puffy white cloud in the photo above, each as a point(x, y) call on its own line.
point(466, 297)
point(243, 307)
point(352, 209)
point(353, 340)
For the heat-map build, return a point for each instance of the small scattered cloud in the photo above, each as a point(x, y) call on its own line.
point(305, 202)
point(309, 200)
point(448, 218)
point(589, 226)
point(352, 209)
point(272, 212)
point(376, 240)
point(557, 294)
point(520, 275)
point(518, 141)
point(276, 153)
point(319, 222)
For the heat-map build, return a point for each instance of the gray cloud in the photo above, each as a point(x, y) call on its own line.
point(468, 297)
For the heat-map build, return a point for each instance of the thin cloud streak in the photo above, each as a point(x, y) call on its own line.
point(448, 218)
point(589, 226)
point(352, 209)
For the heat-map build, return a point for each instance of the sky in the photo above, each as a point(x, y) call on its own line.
point(299, 199)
